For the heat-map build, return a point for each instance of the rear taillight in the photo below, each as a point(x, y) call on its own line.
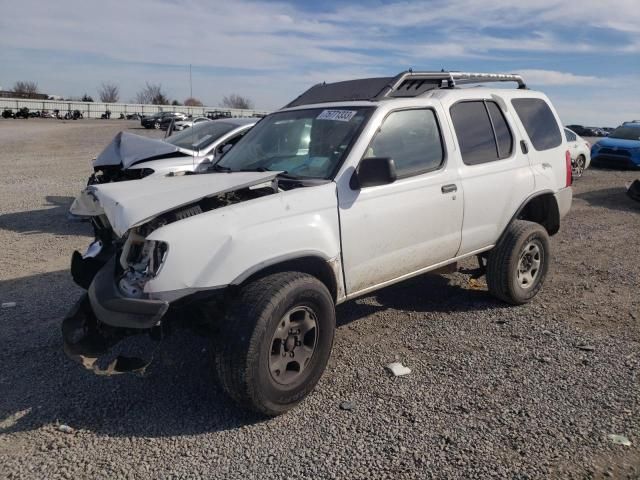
point(567, 157)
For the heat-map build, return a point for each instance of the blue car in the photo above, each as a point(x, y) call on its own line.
point(621, 149)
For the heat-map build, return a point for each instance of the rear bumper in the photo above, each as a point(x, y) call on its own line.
point(564, 198)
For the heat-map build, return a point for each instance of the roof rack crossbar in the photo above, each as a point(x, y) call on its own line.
point(446, 80)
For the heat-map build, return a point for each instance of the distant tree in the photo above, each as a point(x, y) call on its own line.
point(109, 92)
point(176, 103)
point(237, 101)
point(193, 102)
point(86, 98)
point(152, 94)
point(26, 88)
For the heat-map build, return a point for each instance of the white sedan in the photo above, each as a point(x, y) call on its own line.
point(580, 151)
point(182, 124)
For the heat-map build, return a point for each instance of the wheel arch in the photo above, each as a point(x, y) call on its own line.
point(328, 271)
point(542, 208)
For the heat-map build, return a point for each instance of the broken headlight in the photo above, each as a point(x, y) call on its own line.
point(141, 260)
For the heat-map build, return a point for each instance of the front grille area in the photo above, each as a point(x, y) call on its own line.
point(612, 161)
point(610, 151)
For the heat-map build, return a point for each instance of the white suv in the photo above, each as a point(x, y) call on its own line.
point(351, 187)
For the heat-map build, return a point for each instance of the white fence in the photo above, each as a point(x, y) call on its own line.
point(96, 109)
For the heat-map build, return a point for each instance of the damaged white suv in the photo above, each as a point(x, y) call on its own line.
point(351, 187)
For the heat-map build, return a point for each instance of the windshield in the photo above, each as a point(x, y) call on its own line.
point(304, 143)
point(626, 133)
point(201, 135)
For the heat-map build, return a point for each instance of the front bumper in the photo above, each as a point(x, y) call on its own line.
point(113, 308)
point(610, 160)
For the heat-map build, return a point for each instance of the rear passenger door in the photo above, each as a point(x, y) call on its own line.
point(495, 172)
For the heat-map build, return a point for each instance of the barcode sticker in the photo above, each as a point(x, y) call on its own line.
point(337, 115)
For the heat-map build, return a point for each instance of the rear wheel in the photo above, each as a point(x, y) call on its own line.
point(275, 341)
point(579, 166)
point(518, 265)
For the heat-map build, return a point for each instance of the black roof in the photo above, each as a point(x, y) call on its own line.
point(405, 84)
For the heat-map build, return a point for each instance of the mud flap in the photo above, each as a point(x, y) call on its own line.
point(85, 341)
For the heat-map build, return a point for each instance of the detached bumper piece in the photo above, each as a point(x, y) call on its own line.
point(86, 340)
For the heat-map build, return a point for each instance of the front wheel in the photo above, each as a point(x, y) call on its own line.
point(518, 264)
point(156, 125)
point(275, 341)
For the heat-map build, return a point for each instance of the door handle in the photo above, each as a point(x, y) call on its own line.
point(449, 188)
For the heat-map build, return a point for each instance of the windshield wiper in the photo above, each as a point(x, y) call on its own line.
point(219, 168)
point(283, 174)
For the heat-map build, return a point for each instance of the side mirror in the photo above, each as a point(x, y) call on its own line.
point(224, 148)
point(372, 172)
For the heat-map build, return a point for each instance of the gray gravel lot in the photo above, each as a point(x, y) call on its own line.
point(495, 391)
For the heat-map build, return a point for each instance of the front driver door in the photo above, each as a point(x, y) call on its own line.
point(392, 231)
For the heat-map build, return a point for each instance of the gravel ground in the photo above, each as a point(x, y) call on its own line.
point(495, 391)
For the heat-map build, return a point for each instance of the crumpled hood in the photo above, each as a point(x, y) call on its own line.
point(128, 148)
point(129, 204)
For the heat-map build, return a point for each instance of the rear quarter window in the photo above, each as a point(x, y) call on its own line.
point(539, 122)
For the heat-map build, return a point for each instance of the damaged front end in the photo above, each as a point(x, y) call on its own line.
point(115, 271)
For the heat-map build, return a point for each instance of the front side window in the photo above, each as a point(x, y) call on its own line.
point(307, 143)
point(539, 122)
point(412, 139)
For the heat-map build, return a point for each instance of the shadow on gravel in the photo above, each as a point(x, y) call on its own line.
point(40, 386)
point(611, 198)
point(178, 395)
point(51, 219)
point(425, 293)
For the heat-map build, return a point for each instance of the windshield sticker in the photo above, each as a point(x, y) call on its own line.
point(338, 115)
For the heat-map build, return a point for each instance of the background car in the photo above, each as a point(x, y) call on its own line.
point(580, 151)
point(582, 131)
point(182, 124)
point(621, 149)
point(157, 120)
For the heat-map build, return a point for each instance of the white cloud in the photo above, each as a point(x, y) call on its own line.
point(553, 77)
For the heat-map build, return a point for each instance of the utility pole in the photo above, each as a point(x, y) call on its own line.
point(190, 83)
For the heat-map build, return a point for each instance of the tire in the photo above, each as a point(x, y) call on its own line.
point(524, 245)
point(579, 167)
point(248, 352)
point(156, 125)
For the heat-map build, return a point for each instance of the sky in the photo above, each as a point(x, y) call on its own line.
point(584, 54)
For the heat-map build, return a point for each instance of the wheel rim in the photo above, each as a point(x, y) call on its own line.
point(530, 264)
point(156, 125)
point(579, 168)
point(293, 345)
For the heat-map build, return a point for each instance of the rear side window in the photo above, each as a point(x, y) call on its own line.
point(571, 137)
point(539, 122)
point(482, 131)
point(504, 138)
point(412, 139)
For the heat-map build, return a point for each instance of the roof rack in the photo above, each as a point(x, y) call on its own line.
point(405, 84)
